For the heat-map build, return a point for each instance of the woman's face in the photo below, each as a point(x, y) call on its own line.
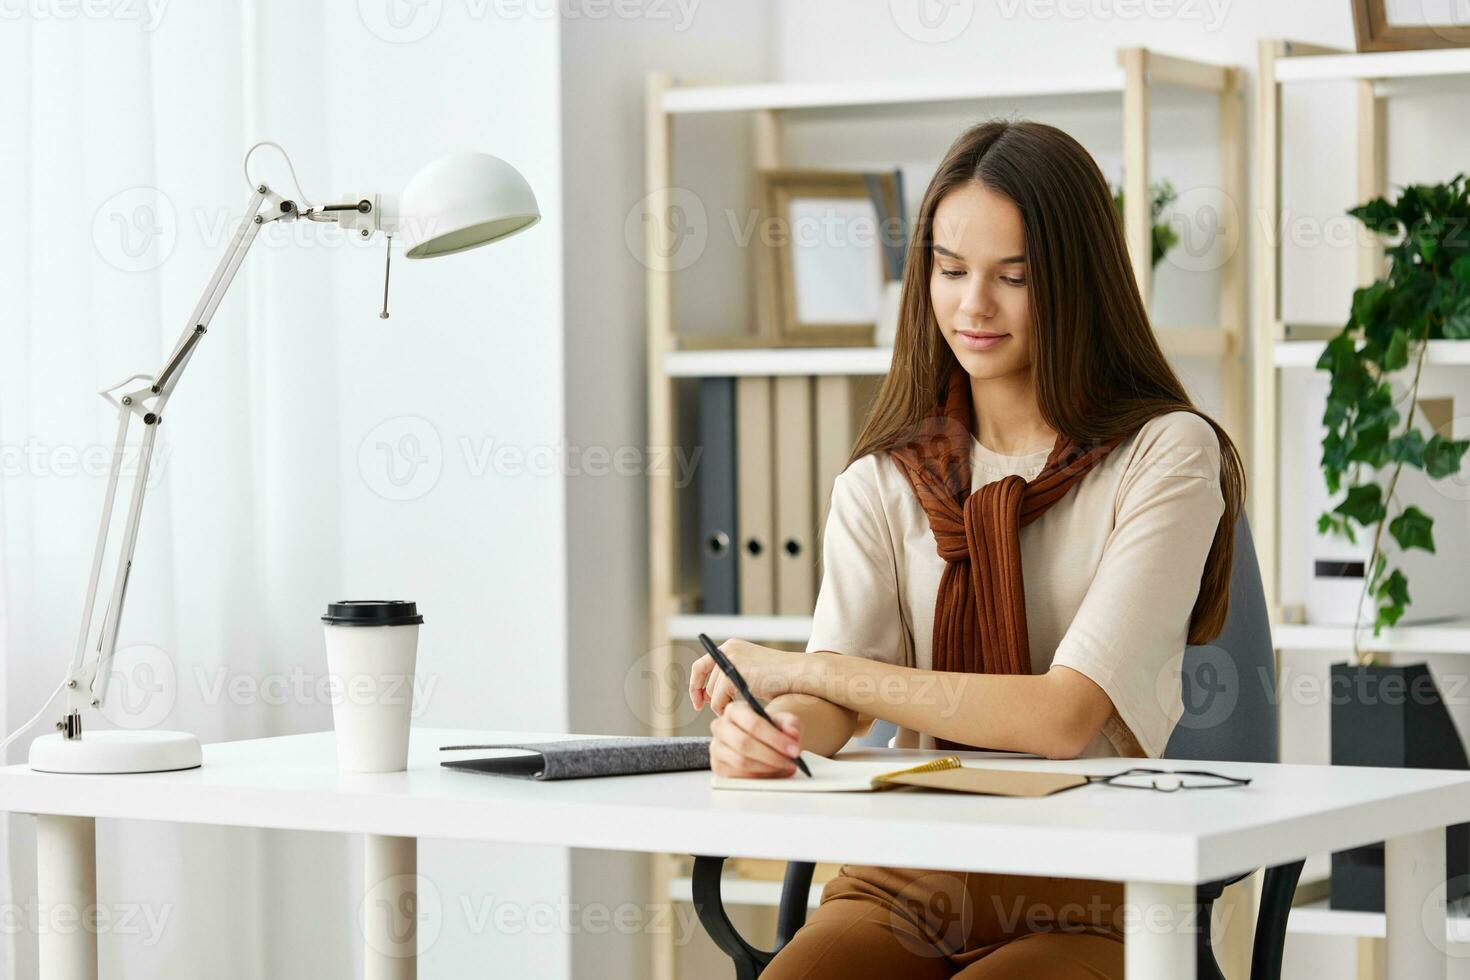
point(978, 285)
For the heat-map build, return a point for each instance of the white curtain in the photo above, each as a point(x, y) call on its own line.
point(121, 159)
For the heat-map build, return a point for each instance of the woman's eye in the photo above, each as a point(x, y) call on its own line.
point(951, 273)
point(1013, 280)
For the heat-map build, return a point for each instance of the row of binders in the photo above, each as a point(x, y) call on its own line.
point(771, 449)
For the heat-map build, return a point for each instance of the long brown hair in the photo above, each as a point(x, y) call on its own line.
point(1098, 369)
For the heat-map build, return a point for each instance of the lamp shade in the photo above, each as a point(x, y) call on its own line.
point(463, 201)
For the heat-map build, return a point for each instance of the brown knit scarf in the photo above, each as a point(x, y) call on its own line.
point(980, 611)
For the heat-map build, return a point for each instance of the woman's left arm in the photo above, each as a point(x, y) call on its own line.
point(1053, 714)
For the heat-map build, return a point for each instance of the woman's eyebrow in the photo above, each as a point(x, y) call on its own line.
point(1008, 260)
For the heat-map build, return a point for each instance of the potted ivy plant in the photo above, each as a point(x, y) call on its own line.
point(1393, 715)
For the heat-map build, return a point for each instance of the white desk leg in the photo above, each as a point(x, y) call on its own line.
point(66, 893)
point(1158, 942)
point(389, 913)
point(1413, 898)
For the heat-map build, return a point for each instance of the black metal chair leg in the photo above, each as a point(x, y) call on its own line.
point(1277, 891)
point(749, 961)
point(794, 893)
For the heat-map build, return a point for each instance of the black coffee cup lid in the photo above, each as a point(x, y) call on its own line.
point(373, 612)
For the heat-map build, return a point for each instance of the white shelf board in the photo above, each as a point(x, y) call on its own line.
point(1373, 64)
point(741, 891)
point(1304, 353)
point(1450, 637)
point(775, 361)
point(804, 361)
point(780, 629)
point(1316, 918)
point(839, 95)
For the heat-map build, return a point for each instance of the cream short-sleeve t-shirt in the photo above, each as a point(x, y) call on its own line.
point(1111, 572)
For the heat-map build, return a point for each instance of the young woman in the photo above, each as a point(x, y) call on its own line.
point(1035, 522)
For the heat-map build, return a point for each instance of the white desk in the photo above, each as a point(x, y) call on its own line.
point(1161, 845)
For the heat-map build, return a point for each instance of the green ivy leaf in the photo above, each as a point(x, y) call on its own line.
point(1408, 448)
point(1460, 270)
point(1457, 320)
point(1397, 354)
point(1363, 504)
point(1413, 529)
point(1442, 456)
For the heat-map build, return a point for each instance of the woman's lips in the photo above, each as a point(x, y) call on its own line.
point(980, 342)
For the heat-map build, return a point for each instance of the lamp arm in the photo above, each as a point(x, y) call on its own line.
point(87, 678)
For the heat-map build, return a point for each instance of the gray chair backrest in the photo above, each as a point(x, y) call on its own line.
point(1229, 686)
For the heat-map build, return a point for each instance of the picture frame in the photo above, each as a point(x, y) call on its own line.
point(822, 267)
point(1373, 31)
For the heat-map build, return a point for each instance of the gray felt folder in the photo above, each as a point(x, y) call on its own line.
point(577, 758)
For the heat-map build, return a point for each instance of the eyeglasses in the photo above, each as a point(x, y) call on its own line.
point(1169, 781)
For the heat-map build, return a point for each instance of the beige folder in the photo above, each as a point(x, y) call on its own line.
point(796, 552)
point(755, 489)
point(842, 406)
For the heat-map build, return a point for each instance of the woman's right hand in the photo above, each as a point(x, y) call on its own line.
point(745, 745)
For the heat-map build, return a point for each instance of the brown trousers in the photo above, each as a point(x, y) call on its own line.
point(934, 925)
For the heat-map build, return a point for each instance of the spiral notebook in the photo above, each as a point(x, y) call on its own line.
point(948, 773)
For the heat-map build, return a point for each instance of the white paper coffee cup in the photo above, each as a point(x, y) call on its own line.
point(372, 646)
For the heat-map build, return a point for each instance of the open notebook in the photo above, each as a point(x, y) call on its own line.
point(948, 773)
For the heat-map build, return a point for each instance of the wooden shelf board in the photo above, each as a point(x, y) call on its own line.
point(807, 361)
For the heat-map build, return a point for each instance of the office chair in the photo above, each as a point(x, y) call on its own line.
point(1229, 690)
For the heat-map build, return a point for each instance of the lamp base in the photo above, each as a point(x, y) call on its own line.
point(116, 752)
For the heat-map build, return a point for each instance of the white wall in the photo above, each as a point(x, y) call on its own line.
point(604, 63)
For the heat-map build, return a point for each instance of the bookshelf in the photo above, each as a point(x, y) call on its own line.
point(1137, 78)
point(1298, 346)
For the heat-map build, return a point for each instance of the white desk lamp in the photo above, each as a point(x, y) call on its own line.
point(454, 204)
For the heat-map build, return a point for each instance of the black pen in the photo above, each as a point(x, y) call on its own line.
point(724, 664)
